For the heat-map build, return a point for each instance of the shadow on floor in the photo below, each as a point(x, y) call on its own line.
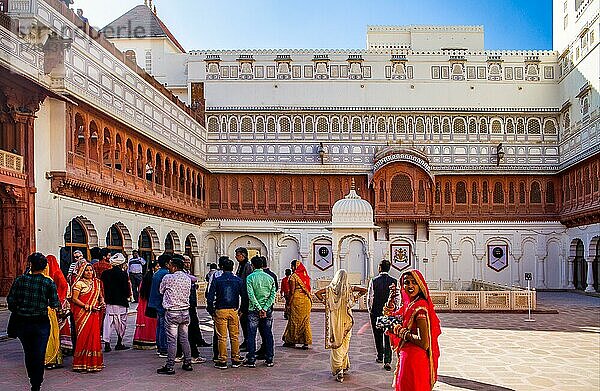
point(470, 384)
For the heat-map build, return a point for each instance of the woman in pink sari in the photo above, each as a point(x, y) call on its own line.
point(416, 339)
point(86, 303)
point(145, 326)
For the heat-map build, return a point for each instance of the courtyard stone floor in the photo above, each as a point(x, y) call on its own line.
point(479, 351)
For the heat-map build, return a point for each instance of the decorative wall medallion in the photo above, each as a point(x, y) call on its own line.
point(322, 255)
point(400, 254)
point(497, 256)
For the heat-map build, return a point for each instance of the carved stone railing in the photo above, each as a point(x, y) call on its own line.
point(484, 300)
point(11, 161)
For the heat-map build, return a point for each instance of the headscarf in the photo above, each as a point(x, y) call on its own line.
point(303, 275)
point(338, 315)
point(117, 259)
point(409, 310)
point(58, 277)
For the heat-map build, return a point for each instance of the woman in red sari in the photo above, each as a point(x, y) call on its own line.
point(86, 303)
point(298, 329)
point(145, 326)
point(416, 339)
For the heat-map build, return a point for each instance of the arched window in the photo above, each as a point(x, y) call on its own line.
point(498, 196)
point(114, 240)
point(421, 191)
point(535, 196)
point(323, 195)
point(297, 125)
point(284, 125)
point(533, 126)
point(214, 194)
point(438, 192)
point(521, 192)
point(94, 135)
point(233, 125)
point(511, 193)
point(380, 125)
point(140, 161)
point(381, 191)
point(260, 193)
point(247, 194)
point(483, 126)
point(246, 125)
point(310, 194)
point(459, 126)
point(446, 125)
point(308, 124)
point(335, 125)
point(420, 127)
point(472, 126)
point(447, 194)
point(520, 126)
point(145, 245)
point(271, 124)
point(234, 194)
point(260, 124)
point(401, 126)
point(401, 189)
point(474, 194)
point(76, 238)
point(510, 126)
point(549, 192)
point(272, 194)
point(461, 193)
point(484, 193)
point(80, 132)
point(285, 195)
point(213, 125)
point(106, 145)
point(496, 126)
point(322, 125)
point(436, 125)
point(356, 126)
point(549, 127)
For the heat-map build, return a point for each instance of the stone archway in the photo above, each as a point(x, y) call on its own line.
point(594, 254)
point(353, 255)
point(126, 235)
point(172, 242)
point(192, 251)
point(154, 241)
point(579, 265)
point(252, 243)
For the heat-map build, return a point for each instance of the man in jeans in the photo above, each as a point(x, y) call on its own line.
point(175, 288)
point(155, 301)
point(136, 269)
point(29, 298)
point(261, 296)
point(243, 271)
point(222, 303)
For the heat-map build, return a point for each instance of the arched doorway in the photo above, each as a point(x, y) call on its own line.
point(76, 238)
point(145, 247)
point(114, 240)
point(191, 250)
point(579, 266)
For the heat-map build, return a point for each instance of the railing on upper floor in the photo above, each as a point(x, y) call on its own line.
point(11, 161)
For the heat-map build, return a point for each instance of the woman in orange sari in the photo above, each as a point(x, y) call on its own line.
point(298, 330)
point(87, 302)
point(416, 339)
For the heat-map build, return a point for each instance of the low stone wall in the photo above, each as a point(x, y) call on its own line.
point(484, 300)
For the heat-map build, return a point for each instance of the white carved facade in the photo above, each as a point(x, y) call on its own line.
point(269, 111)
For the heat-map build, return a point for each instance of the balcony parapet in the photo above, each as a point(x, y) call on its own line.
point(11, 161)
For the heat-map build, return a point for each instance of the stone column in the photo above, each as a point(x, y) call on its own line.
point(540, 280)
point(570, 273)
point(590, 275)
point(516, 278)
point(480, 263)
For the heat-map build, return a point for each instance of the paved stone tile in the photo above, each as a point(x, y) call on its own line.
point(479, 351)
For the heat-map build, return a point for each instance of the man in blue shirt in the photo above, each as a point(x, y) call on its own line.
point(155, 301)
point(222, 303)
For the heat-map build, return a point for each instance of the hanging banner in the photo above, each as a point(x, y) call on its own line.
point(322, 255)
point(497, 256)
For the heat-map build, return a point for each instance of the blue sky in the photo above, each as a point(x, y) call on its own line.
point(312, 24)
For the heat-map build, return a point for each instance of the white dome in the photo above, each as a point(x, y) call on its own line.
point(352, 212)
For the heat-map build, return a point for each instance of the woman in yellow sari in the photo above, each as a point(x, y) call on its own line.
point(298, 330)
point(339, 297)
point(54, 357)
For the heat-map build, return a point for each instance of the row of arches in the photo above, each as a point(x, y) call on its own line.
point(80, 234)
point(534, 126)
point(117, 150)
point(582, 184)
point(584, 273)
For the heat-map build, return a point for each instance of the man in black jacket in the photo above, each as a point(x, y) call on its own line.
point(378, 293)
point(117, 291)
point(243, 271)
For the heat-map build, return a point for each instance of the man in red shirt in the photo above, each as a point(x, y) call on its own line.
point(285, 291)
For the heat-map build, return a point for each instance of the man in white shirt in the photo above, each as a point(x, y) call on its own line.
point(175, 288)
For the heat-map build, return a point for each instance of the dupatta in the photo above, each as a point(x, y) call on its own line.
point(409, 310)
point(303, 277)
point(338, 315)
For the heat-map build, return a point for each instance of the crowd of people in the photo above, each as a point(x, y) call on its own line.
point(75, 311)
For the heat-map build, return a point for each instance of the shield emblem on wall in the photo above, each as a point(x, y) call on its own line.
point(497, 256)
point(322, 255)
point(400, 255)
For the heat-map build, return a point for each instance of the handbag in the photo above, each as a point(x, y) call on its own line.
point(151, 312)
point(14, 324)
